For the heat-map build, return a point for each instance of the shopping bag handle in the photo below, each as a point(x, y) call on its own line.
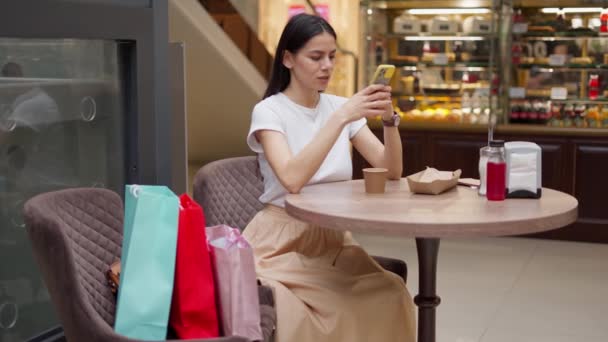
point(235, 237)
point(135, 189)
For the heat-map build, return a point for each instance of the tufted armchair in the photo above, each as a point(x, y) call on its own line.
point(229, 189)
point(75, 235)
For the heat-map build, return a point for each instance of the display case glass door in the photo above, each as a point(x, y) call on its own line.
point(62, 118)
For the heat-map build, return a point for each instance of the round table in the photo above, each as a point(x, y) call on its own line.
point(460, 212)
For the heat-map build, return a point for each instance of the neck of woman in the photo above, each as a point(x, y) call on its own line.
point(304, 97)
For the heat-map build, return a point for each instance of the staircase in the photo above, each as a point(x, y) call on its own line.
point(221, 85)
point(235, 26)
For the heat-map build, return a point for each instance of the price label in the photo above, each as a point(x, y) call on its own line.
point(520, 28)
point(559, 93)
point(517, 92)
point(557, 60)
point(440, 59)
point(482, 92)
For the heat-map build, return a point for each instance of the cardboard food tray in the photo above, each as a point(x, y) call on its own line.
point(433, 188)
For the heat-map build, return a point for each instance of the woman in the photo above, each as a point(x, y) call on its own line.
point(326, 287)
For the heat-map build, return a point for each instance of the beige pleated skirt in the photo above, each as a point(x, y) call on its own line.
point(326, 287)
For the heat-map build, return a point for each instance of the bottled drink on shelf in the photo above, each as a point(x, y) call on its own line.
point(593, 117)
point(544, 113)
point(604, 116)
point(580, 111)
point(604, 22)
point(556, 118)
point(526, 111)
point(515, 112)
point(569, 115)
point(518, 17)
point(465, 105)
point(594, 86)
point(533, 114)
point(476, 107)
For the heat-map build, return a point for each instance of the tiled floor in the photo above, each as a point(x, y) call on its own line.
point(513, 289)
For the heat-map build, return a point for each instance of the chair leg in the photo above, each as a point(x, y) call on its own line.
point(399, 267)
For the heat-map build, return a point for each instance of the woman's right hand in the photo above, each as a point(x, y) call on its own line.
point(370, 102)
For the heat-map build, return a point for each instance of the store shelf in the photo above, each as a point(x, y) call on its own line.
point(470, 66)
point(443, 37)
point(396, 4)
point(601, 100)
point(430, 98)
point(583, 101)
point(564, 68)
point(556, 37)
point(518, 129)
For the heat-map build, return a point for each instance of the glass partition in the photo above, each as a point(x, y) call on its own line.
point(62, 119)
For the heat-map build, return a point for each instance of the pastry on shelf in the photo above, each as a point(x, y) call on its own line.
point(414, 114)
point(541, 60)
point(442, 88)
point(541, 28)
point(441, 114)
point(429, 57)
point(405, 59)
point(580, 32)
point(581, 60)
point(538, 92)
point(526, 60)
point(455, 115)
point(556, 25)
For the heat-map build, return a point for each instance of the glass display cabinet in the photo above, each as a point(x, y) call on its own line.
point(445, 55)
point(559, 73)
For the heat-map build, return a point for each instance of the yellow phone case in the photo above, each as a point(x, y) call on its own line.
point(383, 75)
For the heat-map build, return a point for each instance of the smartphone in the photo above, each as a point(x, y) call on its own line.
point(383, 75)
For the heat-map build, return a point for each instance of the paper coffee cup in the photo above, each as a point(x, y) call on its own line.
point(375, 179)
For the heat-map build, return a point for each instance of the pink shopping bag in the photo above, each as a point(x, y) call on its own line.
point(234, 268)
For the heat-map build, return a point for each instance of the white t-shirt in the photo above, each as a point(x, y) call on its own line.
point(300, 125)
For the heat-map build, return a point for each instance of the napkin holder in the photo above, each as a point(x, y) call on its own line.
point(524, 169)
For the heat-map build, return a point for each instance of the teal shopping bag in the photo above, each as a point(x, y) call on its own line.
point(147, 262)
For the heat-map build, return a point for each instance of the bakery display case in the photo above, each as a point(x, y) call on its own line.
point(445, 56)
point(551, 62)
point(559, 73)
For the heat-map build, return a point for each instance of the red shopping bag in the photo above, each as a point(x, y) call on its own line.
point(193, 310)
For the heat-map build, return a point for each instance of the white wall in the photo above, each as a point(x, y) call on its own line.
point(222, 86)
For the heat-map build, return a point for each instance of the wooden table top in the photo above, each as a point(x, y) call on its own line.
point(460, 212)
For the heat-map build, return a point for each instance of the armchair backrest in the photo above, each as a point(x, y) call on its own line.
point(228, 190)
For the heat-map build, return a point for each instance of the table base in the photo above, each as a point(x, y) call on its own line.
point(427, 299)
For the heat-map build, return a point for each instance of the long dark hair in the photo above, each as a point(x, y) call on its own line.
point(298, 31)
